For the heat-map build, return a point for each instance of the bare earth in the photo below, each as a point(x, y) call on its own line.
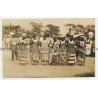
point(13, 69)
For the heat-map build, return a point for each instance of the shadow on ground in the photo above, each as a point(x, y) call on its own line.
point(92, 74)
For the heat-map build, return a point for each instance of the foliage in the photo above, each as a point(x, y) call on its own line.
point(6, 29)
point(53, 30)
point(37, 27)
point(81, 28)
point(28, 33)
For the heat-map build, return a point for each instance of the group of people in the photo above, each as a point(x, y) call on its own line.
point(45, 50)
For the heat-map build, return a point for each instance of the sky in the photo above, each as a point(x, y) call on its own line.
point(25, 23)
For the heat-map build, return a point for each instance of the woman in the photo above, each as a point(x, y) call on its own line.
point(50, 51)
point(48, 38)
point(23, 52)
point(54, 51)
point(28, 46)
point(62, 54)
point(81, 51)
point(71, 51)
point(34, 49)
point(44, 51)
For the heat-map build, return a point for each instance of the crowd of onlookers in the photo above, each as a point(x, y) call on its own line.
point(50, 48)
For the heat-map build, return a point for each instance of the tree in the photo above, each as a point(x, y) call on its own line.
point(16, 28)
point(28, 33)
point(37, 27)
point(70, 27)
point(91, 28)
point(6, 29)
point(53, 30)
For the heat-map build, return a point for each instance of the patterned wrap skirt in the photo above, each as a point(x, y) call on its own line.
point(35, 58)
point(62, 57)
point(71, 58)
point(55, 58)
point(34, 54)
point(44, 58)
point(23, 54)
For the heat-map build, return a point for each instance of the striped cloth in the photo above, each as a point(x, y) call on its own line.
point(71, 58)
point(22, 54)
point(23, 58)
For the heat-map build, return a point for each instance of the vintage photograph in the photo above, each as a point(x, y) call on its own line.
point(48, 47)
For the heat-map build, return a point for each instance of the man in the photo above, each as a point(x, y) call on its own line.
point(5, 42)
point(13, 46)
point(17, 40)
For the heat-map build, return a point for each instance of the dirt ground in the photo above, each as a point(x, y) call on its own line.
point(13, 69)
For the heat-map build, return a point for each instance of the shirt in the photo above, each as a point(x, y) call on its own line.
point(12, 41)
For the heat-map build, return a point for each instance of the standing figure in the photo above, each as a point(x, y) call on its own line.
point(44, 52)
point(17, 42)
point(5, 43)
point(28, 46)
point(71, 51)
point(13, 46)
point(62, 54)
point(77, 46)
point(81, 55)
point(34, 48)
point(23, 60)
point(54, 52)
point(50, 51)
point(48, 38)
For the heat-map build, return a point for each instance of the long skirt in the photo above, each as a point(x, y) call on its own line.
point(82, 50)
point(35, 58)
point(62, 58)
point(44, 58)
point(22, 55)
point(55, 58)
point(71, 58)
point(23, 58)
point(50, 58)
